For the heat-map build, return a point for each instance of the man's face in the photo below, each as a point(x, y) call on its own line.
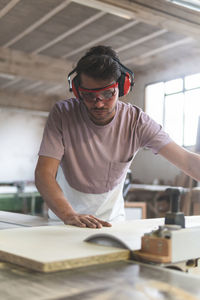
point(100, 98)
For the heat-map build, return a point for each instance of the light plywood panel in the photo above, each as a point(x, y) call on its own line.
point(52, 248)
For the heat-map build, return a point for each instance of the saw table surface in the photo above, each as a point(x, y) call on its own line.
point(12, 220)
point(116, 280)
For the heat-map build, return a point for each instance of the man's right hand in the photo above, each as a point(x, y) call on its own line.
point(51, 192)
point(85, 221)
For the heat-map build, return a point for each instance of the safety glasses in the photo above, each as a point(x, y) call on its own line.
point(104, 94)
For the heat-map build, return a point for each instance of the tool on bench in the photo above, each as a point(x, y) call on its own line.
point(175, 217)
point(171, 243)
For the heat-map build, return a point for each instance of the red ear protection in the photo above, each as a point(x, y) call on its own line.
point(125, 81)
point(127, 84)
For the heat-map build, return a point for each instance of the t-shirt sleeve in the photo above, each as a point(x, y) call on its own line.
point(150, 133)
point(52, 141)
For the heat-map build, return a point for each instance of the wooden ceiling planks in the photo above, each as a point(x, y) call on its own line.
point(142, 31)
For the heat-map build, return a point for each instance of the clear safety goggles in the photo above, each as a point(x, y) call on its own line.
point(104, 94)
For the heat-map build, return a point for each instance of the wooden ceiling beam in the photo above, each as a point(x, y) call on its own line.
point(162, 16)
point(71, 31)
point(27, 101)
point(34, 67)
point(24, 111)
point(102, 38)
point(38, 23)
point(5, 10)
point(53, 89)
point(10, 82)
point(150, 55)
point(141, 40)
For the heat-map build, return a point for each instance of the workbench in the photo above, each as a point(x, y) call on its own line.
point(116, 280)
point(29, 192)
point(149, 193)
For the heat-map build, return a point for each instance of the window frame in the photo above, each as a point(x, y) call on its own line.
point(183, 91)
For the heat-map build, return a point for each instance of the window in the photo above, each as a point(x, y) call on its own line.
point(175, 104)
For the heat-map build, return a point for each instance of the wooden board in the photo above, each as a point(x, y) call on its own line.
point(52, 248)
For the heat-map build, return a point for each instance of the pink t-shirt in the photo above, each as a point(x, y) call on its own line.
point(95, 158)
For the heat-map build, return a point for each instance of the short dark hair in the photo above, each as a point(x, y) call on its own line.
point(100, 62)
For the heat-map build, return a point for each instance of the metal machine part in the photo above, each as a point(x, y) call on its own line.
point(175, 216)
point(171, 244)
point(106, 240)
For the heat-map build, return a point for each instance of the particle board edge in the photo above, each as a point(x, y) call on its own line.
point(47, 267)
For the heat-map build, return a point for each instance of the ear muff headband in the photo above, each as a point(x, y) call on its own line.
point(75, 86)
point(125, 81)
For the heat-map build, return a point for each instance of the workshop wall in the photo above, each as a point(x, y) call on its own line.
point(20, 136)
point(146, 166)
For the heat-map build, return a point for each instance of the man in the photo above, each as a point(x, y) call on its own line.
point(94, 138)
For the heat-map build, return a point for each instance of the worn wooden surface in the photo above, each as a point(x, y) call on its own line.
point(116, 280)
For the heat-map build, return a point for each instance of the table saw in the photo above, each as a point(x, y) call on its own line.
point(126, 279)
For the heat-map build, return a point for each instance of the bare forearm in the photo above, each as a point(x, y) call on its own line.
point(188, 162)
point(51, 192)
point(53, 195)
point(194, 166)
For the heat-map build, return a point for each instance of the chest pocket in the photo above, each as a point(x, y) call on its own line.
point(117, 171)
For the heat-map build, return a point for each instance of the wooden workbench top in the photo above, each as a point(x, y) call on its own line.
point(15, 220)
